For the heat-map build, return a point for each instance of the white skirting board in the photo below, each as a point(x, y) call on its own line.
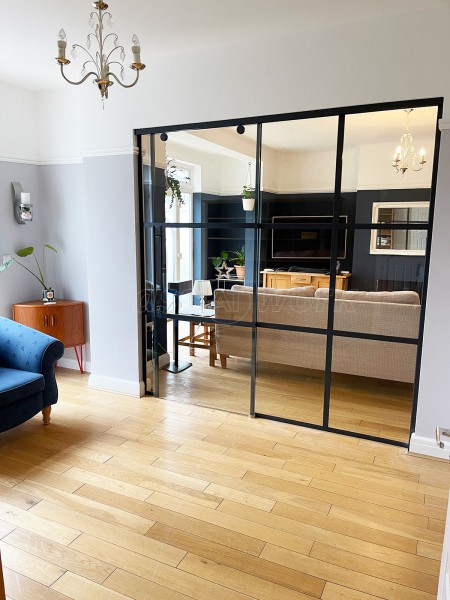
point(428, 447)
point(72, 363)
point(121, 386)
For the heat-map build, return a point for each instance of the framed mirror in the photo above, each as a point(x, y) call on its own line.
point(408, 241)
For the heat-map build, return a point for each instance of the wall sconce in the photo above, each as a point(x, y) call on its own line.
point(23, 212)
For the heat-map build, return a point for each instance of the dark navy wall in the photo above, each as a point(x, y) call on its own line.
point(370, 268)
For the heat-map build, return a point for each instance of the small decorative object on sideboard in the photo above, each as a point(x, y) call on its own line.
point(221, 266)
point(48, 293)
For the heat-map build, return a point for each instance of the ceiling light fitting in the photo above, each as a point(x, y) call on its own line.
point(405, 156)
point(100, 58)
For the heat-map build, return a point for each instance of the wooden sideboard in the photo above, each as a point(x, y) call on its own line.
point(291, 279)
point(63, 320)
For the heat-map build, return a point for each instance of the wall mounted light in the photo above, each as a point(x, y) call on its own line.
point(23, 209)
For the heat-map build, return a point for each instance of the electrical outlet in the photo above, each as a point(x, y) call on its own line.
point(6, 258)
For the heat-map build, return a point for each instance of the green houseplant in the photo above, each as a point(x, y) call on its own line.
point(248, 197)
point(239, 262)
point(173, 179)
point(48, 293)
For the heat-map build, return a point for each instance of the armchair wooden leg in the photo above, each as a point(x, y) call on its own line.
point(46, 414)
point(223, 361)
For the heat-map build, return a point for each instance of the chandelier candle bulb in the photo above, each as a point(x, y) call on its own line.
point(25, 198)
point(62, 44)
point(136, 50)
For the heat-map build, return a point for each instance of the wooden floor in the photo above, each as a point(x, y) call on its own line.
point(370, 406)
point(153, 499)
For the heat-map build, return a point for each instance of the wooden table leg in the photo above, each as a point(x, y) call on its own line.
point(191, 338)
point(212, 346)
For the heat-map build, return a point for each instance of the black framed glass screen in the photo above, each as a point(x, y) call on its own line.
point(285, 264)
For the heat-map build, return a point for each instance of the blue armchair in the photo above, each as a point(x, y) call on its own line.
point(27, 373)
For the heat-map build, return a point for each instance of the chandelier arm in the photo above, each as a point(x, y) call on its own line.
point(123, 84)
point(81, 80)
point(87, 52)
point(115, 48)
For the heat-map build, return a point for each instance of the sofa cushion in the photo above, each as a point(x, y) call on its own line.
point(305, 292)
point(404, 297)
point(15, 385)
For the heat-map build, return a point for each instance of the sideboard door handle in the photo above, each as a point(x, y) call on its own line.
point(45, 321)
point(53, 321)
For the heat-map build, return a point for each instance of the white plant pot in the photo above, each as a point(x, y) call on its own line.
point(248, 203)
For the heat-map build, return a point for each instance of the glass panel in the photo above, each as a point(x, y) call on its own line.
point(212, 166)
point(218, 376)
point(372, 387)
point(290, 374)
point(192, 257)
point(298, 173)
point(371, 174)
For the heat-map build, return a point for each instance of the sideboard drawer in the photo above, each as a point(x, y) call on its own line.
point(301, 278)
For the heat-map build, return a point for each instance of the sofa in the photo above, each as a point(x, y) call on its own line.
point(380, 313)
point(27, 373)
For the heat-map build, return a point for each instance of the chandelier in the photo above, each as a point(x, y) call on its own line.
point(405, 156)
point(99, 58)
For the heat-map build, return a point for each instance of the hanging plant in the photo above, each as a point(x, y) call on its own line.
point(248, 191)
point(173, 180)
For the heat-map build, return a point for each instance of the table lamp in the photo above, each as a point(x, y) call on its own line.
point(202, 288)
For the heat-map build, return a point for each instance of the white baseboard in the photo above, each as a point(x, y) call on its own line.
point(121, 386)
point(428, 447)
point(72, 363)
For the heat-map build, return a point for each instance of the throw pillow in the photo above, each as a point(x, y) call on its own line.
point(402, 297)
point(307, 291)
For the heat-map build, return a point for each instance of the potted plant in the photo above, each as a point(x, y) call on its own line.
point(239, 262)
point(48, 293)
point(220, 264)
point(248, 197)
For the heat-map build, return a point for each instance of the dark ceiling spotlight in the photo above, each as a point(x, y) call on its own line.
point(164, 137)
point(240, 129)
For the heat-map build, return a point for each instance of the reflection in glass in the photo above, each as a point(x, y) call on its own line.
point(290, 374)
point(372, 387)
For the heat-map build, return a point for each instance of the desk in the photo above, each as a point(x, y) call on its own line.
point(291, 279)
point(63, 319)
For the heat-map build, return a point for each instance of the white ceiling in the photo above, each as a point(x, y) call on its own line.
point(29, 30)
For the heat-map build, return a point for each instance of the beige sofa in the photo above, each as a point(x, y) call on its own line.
point(381, 313)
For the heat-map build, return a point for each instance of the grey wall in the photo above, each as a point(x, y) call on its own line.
point(434, 399)
point(65, 229)
point(16, 285)
point(112, 269)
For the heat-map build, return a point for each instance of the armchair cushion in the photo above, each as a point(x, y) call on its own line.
point(27, 349)
point(15, 384)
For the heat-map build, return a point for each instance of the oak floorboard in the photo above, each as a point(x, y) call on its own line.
point(20, 587)
point(183, 522)
point(157, 499)
point(238, 561)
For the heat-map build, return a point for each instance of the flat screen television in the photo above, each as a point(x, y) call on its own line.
point(311, 243)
